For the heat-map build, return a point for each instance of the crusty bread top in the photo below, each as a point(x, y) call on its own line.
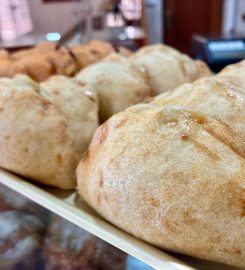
point(170, 176)
point(119, 83)
point(212, 97)
point(78, 103)
point(35, 140)
point(167, 68)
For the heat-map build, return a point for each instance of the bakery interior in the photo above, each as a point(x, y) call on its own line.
point(122, 134)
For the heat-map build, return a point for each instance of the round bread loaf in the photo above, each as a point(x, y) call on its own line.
point(172, 177)
point(35, 140)
point(91, 52)
point(216, 99)
point(120, 84)
point(78, 103)
point(167, 68)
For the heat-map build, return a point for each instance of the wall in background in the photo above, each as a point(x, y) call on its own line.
point(59, 17)
point(240, 19)
point(233, 17)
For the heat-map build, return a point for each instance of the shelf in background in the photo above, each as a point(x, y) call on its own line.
point(71, 206)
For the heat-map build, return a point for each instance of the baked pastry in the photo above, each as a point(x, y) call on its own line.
point(40, 49)
point(9, 68)
point(119, 83)
point(20, 240)
point(172, 177)
point(4, 54)
point(90, 53)
point(233, 75)
point(78, 103)
point(216, 99)
point(37, 67)
point(62, 61)
point(167, 68)
point(35, 140)
point(68, 247)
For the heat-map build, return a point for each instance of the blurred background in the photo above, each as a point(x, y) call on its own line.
point(212, 30)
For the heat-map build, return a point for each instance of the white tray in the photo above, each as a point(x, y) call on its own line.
point(70, 206)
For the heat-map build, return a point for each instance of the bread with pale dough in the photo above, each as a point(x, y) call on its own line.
point(172, 177)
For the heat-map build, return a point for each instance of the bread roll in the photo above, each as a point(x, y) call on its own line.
point(9, 68)
point(209, 96)
point(4, 54)
point(233, 76)
point(119, 83)
point(35, 140)
point(91, 53)
point(37, 67)
point(172, 177)
point(167, 68)
point(78, 104)
point(62, 61)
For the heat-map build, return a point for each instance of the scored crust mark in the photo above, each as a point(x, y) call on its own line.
point(218, 129)
point(122, 121)
point(86, 156)
point(184, 137)
point(58, 159)
point(101, 134)
point(98, 199)
point(205, 150)
point(226, 135)
point(101, 180)
point(44, 103)
point(90, 95)
point(235, 251)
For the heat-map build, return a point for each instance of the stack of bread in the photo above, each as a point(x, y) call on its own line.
point(160, 170)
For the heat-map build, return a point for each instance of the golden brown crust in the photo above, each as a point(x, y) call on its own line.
point(38, 67)
point(40, 49)
point(10, 69)
point(63, 62)
point(91, 53)
point(172, 177)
